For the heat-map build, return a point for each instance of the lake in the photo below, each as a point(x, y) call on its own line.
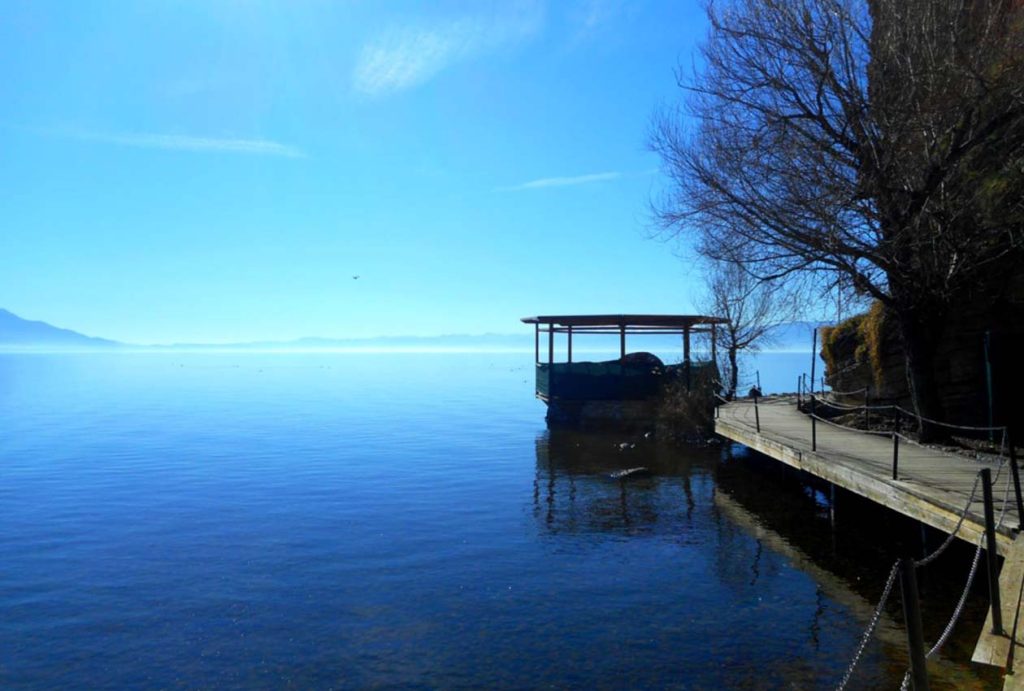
point(355, 520)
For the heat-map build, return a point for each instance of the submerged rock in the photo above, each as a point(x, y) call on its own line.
point(629, 472)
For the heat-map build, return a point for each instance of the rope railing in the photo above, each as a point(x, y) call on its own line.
point(821, 398)
point(858, 430)
point(961, 601)
point(836, 392)
point(959, 524)
point(818, 409)
point(869, 630)
point(996, 461)
point(909, 413)
point(937, 449)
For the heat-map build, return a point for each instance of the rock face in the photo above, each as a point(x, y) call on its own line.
point(865, 352)
point(979, 373)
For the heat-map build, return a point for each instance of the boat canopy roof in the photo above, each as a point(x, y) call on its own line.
point(632, 323)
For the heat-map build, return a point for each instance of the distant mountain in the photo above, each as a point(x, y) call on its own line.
point(17, 333)
point(22, 333)
point(517, 342)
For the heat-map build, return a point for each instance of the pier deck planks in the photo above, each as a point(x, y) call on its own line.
point(933, 487)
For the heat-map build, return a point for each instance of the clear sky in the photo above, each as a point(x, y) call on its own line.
point(220, 170)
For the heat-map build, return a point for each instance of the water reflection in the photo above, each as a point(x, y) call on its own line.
point(575, 488)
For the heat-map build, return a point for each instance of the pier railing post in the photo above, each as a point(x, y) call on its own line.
point(867, 408)
point(1016, 480)
point(814, 433)
point(991, 557)
point(757, 415)
point(895, 456)
point(912, 616)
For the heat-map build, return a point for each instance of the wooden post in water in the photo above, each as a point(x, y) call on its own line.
point(832, 505)
point(991, 557)
point(686, 354)
point(912, 616)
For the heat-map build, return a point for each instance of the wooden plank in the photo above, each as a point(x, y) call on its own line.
point(993, 649)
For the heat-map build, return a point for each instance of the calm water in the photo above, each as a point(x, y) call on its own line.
point(358, 520)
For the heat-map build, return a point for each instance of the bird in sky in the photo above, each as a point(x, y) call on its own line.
point(355, 278)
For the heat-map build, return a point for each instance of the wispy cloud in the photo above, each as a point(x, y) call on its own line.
point(404, 57)
point(178, 142)
point(592, 15)
point(541, 183)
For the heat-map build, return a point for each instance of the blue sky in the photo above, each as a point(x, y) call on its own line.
point(220, 170)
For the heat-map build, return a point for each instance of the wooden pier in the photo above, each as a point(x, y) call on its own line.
point(931, 486)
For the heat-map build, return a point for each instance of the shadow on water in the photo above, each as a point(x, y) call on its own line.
point(848, 545)
point(767, 519)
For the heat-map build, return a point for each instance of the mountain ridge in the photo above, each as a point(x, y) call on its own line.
point(17, 332)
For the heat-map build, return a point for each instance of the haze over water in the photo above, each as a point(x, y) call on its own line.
point(365, 520)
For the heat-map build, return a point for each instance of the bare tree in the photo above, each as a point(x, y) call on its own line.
point(751, 308)
point(877, 140)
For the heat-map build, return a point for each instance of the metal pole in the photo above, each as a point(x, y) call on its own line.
point(551, 343)
point(814, 355)
point(569, 344)
point(867, 408)
point(798, 392)
point(895, 455)
point(912, 616)
point(814, 433)
point(686, 354)
point(990, 553)
point(1016, 480)
point(758, 372)
point(988, 378)
point(714, 344)
point(757, 415)
point(536, 343)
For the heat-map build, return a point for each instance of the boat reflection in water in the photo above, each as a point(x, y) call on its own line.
point(608, 482)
